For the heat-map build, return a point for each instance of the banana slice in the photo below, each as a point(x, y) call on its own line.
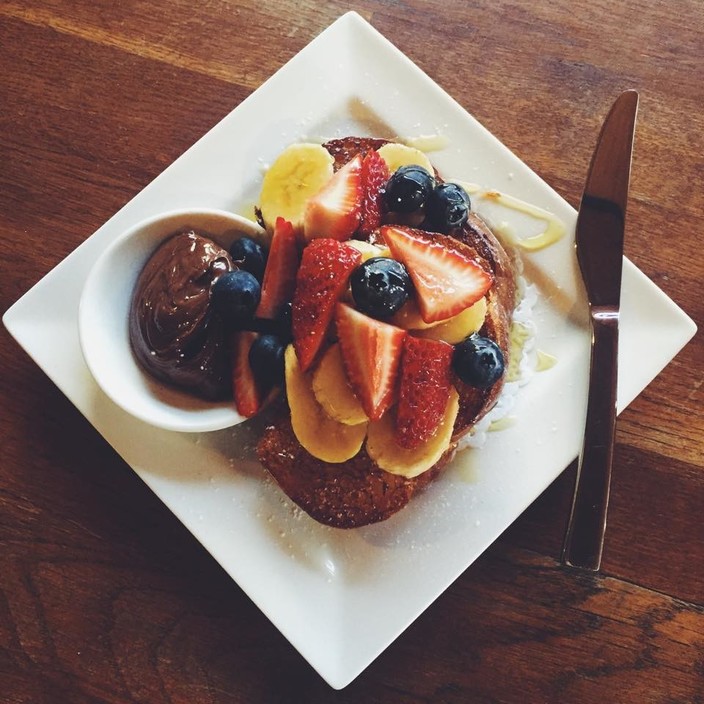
point(369, 250)
point(319, 434)
point(333, 391)
point(460, 326)
point(298, 173)
point(397, 155)
point(408, 317)
point(385, 451)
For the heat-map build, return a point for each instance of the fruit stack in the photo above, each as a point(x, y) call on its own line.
point(366, 309)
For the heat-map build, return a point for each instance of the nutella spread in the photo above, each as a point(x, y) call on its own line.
point(173, 332)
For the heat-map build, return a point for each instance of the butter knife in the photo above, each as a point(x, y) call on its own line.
point(599, 242)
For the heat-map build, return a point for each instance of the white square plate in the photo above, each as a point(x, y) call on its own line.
point(341, 597)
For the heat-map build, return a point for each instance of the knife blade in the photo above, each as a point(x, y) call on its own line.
point(599, 244)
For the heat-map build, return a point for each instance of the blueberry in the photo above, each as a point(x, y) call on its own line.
point(235, 296)
point(380, 286)
point(284, 320)
point(249, 255)
point(408, 189)
point(478, 361)
point(266, 358)
point(280, 326)
point(448, 206)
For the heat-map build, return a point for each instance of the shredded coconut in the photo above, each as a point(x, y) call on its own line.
point(520, 373)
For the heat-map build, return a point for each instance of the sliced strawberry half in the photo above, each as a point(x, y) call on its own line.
point(446, 277)
point(322, 277)
point(335, 210)
point(248, 396)
point(279, 280)
point(371, 353)
point(375, 174)
point(424, 389)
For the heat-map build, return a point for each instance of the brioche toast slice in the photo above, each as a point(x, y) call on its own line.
point(357, 492)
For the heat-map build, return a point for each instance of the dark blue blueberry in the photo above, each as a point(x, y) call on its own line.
point(284, 320)
point(408, 189)
point(478, 361)
point(380, 286)
point(249, 255)
point(266, 359)
point(279, 326)
point(235, 296)
point(448, 206)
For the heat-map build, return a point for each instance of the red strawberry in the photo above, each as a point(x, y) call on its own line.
point(248, 397)
point(424, 390)
point(446, 277)
point(375, 174)
point(325, 269)
point(371, 351)
point(279, 280)
point(335, 210)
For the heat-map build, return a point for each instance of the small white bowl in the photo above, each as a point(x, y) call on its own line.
point(104, 331)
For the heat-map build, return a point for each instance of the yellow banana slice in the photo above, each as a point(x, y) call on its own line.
point(408, 317)
point(333, 392)
point(386, 452)
point(319, 434)
point(460, 326)
point(369, 250)
point(298, 173)
point(397, 155)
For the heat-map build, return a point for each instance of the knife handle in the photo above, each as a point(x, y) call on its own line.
point(584, 539)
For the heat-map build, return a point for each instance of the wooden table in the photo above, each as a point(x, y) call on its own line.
point(106, 597)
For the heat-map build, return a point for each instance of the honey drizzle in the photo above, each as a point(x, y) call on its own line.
point(554, 227)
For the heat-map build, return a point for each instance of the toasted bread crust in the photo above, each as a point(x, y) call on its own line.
point(357, 492)
point(348, 495)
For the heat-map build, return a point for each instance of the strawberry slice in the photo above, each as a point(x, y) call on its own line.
point(375, 174)
point(336, 209)
point(322, 277)
point(248, 396)
point(446, 277)
point(371, 352)
point(279, 280)
point(426, 381)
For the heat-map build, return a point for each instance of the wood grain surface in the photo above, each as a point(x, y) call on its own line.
point(106, 597)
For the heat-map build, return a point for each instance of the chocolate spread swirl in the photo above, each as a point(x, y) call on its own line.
point(173, 332)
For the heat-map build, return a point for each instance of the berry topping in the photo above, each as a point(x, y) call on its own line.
point(248, 396)
point(322, 277)
point(235, 296)
point(408, 189)
point(448, 206)
point(371, 351)
point(249, 255)
point(380, 286)
point(375, 174)
point(283, 322)
point(478, 361)
point(335, 210)
point(266, 359)
point(280, 274)
point(446, 277)
point(424, 390)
